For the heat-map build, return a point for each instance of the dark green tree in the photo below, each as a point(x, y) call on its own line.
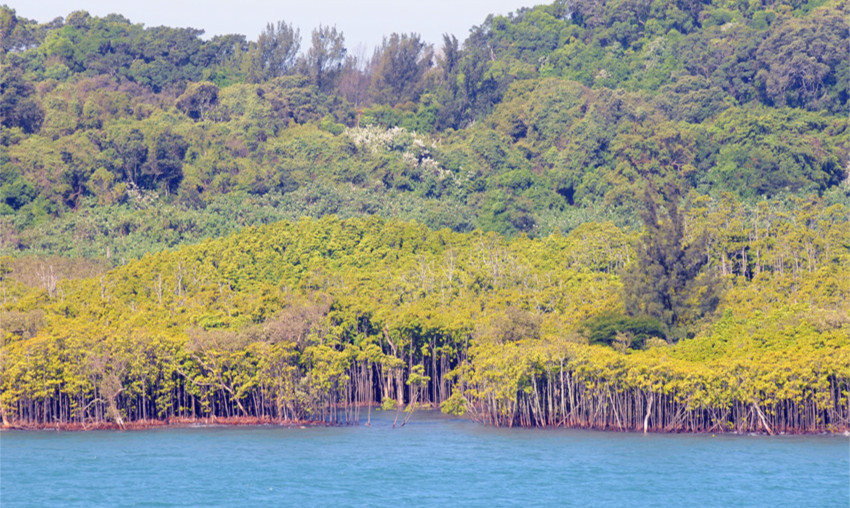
point(451, 100)
point(325, 57)
point(165, 169)
point(401, 65)
point(198, 100)
point(73, 178)
point(15, 191)
point(670, 279)
point(450, 57)
point(17, 106)
point(608, 328)
point(276, 51)
point(133, 153)
point(16, 33)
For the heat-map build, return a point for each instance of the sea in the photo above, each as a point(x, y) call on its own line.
point(434, 460)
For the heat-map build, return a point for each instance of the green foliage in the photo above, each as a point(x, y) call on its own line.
point(17, 106)
point(301, 313)
point(16, 192)
point(667, 280)
point(276, 51)
point(323, 61)
point(198, 100)
point(756, 157)
point(401, 66)
point(607, 329)
point(540, 119)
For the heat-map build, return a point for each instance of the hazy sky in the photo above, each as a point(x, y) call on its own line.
point(364, 23)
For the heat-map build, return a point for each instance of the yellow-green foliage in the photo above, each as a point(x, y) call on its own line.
point(296, 320)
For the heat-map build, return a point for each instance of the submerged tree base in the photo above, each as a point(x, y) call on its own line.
point(248, 421)
point(236, 421)
point(714, 429)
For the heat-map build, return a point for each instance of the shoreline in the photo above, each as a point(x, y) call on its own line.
point(242, 421)
point(233, 421)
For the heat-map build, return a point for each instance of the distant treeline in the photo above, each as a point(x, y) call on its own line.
point(537, 122)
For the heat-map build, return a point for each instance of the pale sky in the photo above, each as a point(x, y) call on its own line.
point(364, 23)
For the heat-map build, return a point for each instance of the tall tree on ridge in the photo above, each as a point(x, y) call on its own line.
point(325, 57)
point(401, 64)
point(276, 51)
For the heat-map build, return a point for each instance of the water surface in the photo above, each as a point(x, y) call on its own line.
point(434, 460)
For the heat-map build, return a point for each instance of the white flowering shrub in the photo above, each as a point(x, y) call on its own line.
point(415, 149)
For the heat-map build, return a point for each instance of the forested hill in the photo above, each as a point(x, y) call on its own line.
point(614, 214)
point(120, 139)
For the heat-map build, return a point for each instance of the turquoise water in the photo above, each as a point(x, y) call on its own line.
point(433, 461)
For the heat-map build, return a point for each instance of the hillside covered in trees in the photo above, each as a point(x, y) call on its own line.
point(603, 213)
